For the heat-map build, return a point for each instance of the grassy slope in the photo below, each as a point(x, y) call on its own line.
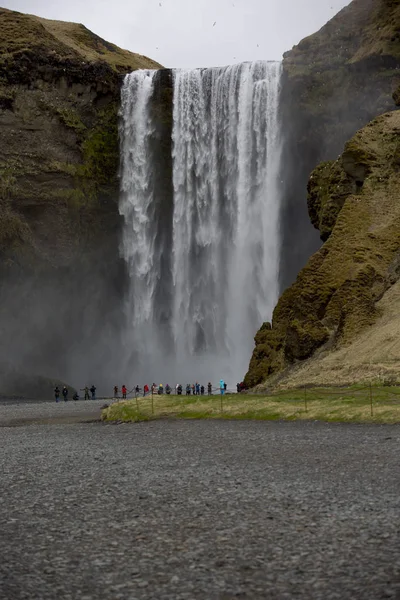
point(374, 354)
point(20, 32)
point(336, 296)
point(340, 405)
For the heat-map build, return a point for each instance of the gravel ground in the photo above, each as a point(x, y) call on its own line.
point(199, 509)
point(29, 413)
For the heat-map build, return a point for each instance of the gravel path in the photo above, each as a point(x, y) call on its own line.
point(199, 510)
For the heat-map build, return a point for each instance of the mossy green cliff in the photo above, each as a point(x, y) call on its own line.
point(334, 83)
point(334, 298)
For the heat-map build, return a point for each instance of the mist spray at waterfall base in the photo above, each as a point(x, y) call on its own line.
point(200, 291)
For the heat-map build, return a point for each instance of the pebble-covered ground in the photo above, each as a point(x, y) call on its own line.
point(199, 510)
point(49, 413)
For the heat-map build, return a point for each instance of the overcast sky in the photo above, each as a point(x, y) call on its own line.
point(181, 33)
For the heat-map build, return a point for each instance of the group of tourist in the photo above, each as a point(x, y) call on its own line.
point(195, 389)
point(64, 393)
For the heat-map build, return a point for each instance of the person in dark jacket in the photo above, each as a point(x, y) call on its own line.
point(209, 388)
point(75, 396)
point(57, 393)
point(93, 392)
point(202, 390)
point(65, 393)
point(188, 388)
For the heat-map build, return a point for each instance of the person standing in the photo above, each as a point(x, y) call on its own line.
point(65, 393)
point(57, 393)
point(86, 390)
point(202, 390)
point(124, 392)
point(197, 389)
point(145, 389)
point(115, 391)
point(209, 388)
point(93, 392)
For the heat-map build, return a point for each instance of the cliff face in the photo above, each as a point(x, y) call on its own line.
point(60, 272)
point(335, 82)
point(340, 294)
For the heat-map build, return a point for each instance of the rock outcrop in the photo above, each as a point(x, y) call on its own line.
point(335, 82)
point(340, 294)
point(61, 279)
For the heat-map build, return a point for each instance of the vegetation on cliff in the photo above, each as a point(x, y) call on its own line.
point(335, 297)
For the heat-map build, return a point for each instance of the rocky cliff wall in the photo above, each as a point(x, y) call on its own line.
point(61, 278)
point(334, 83)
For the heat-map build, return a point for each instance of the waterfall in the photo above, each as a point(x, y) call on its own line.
point(223, 228)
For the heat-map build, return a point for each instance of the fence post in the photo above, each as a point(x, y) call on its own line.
point(371, 401)
point(222, 405)
point(137, 402)
point(305, 398)
point(152, 402)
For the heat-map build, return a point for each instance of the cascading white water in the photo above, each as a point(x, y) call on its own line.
point(224, 225)
point(136, 201)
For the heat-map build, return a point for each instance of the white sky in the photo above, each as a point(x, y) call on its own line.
point(181, 33)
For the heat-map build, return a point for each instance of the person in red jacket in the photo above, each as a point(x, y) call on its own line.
point(124, 392)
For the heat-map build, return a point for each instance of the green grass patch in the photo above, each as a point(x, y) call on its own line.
point(346, 405)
